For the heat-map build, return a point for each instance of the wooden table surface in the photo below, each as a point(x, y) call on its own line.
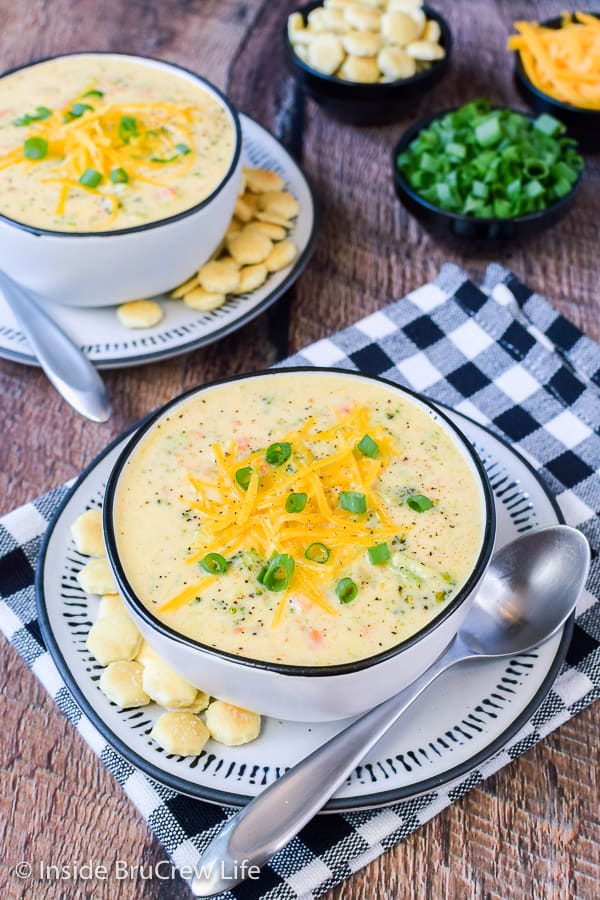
point(533, 829)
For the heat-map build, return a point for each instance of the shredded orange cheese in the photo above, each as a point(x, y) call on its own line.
point(324, 464)
point(96, 140)
point(562, 62)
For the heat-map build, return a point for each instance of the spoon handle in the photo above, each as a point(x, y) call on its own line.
point(71, 373)
point(273, 818)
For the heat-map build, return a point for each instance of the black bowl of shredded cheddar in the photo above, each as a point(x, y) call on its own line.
point(482, 172)
point(557, 71)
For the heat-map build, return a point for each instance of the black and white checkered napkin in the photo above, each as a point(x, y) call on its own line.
point(499, 354)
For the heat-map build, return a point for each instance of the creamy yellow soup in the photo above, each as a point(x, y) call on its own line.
point(93, 142)
point(308, 519)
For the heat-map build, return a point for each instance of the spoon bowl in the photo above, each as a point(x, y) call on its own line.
point(525, 594)
point(528, 592)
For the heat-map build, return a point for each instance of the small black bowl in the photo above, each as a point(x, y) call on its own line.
point(582, 124)
point(443, 222)
point(357, 103)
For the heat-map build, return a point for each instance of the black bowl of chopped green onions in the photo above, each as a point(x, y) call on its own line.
point(483, 172)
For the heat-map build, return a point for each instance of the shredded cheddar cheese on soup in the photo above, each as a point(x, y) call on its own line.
point(321, 466)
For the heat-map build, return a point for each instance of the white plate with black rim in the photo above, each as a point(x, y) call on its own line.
point(467, 716)
point(109, 345)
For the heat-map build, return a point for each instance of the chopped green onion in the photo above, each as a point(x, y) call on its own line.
point(318, 553)
point(90, 178)
point(35, 148)
point(243, 476)
point(295, 503)
point(127, 129)
point(548, 125)
point(94, 93)
point(479, 189)
point(368, 447)
point(534, 189)
point(41, 113)
point(502, 209)
point(279, 572)
point(119, 176)
point(213, 564)
point(182, 150)
point(477, 161)
point(459, 151)
point(76, 111)
point(346, 590)
point(488, 132)
point(419, 503)
point(278, 453)
point(379, 553)
point(353, 502)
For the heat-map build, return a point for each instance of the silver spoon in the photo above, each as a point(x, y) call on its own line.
point(71, 373)
point(529, 591)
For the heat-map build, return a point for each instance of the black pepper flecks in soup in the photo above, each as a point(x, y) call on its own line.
point(308, 519)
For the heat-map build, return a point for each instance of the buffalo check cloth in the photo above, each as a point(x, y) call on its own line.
point(498, 353)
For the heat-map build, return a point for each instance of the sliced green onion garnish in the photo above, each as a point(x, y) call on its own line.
point(182, 150)
point(368, 447)
point(279, 572)
point(353, 502)
point(488, 132)
point(35, 148)
point(346, 590)
point(76, 111)
point(548, 125)
point(90, 178)
point(243, 476)
point(278, 453)
point(127, 128)
point(317, 552)
point(419, 502)
point(119, 176)
point(379, 553)
point(94, 93)
point(295, 503)
point(41, 113)
point(213, 564)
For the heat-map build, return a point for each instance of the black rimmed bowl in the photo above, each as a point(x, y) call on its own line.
point(357, 103)
point(299, 692)
point(103, 268)
point(582, 124)
point(443, 222)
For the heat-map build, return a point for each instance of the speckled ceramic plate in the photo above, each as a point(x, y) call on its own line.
point(109, 345)
point(469, 714)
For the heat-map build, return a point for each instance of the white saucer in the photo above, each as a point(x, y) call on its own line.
point(467, 716)
point(109, 345)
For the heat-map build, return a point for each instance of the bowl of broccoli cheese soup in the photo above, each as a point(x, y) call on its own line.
point(302, 542)
point(118, 176)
